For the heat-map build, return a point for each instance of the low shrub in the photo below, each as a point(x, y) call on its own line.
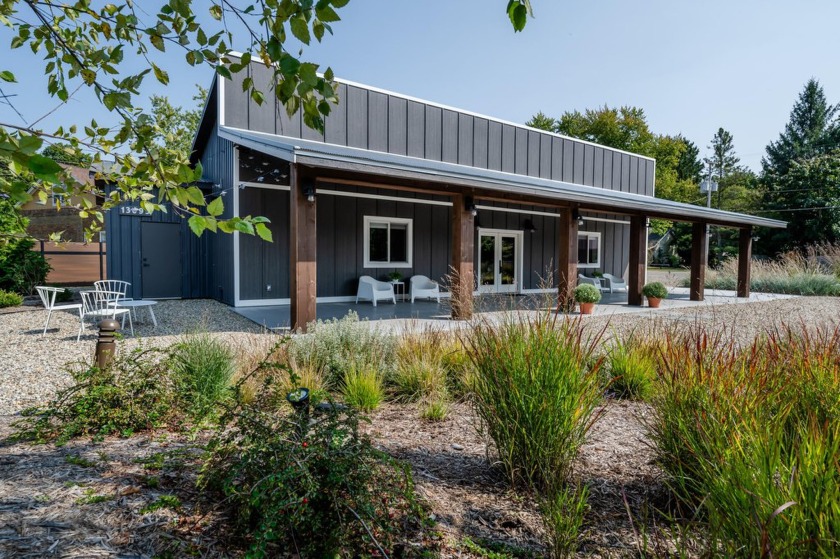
point(363, 388)
point(63, 296)
point(9, 299)
point(203, 367)
point(535, 393)
point(587, 293)
point(631, 366)
point(436, 409)
point(134, 393)
point(420, 370)
point(22, 269)
point(655, 290)
point(331, 345)
point(318, 487)
point(751, 437)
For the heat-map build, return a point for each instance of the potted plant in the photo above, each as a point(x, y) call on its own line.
point(587, 295)
point(655, 292)
point(394, 277)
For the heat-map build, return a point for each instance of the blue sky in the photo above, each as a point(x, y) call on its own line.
point(692, 66)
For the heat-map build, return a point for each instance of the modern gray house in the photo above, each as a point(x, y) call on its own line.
point(400, 184)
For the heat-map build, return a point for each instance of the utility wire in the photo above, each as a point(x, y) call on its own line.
point(6, 100)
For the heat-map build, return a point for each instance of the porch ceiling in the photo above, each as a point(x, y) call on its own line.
point(318, 154)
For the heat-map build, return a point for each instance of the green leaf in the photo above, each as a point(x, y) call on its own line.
point(518, 14)
point(244, 227)
point(195, 195)
point(216, 11)
point(7, 76)
point(30, 144)
point(327, 14)
point(264, 232)
point(43, 167)
point(289, 64)
point(197, 224)
point(226, 226)
point(223, 71)
point(216, 207)
point(300, 28)
point(161, 75)
point(116, 99)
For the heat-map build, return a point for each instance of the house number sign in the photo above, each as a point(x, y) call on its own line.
point(136, 211)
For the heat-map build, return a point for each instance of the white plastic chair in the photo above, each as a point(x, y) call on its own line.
point(423, 287)
point(594, 281)
point(47, 295)
point(373, 290)
point(615, 282)
point(102, 304)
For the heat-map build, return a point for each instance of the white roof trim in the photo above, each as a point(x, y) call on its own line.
point(290, 148)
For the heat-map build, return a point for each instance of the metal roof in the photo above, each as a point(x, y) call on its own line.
point(340, 157)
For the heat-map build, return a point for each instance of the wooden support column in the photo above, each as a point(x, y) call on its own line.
point(463, 254)
point(567, 260)
point(699, 254)
point(744, 258)
point(302, 251)
point(638, 260)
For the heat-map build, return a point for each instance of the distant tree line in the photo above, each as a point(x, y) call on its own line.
point(799, 181)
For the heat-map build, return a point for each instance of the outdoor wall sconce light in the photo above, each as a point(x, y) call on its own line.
point(528, 226)
point(470, 207)
point(477, 223)
point(309, 190)
point(577, 217)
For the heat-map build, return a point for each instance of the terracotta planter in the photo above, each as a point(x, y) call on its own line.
point(653, 302)
point(586, 308)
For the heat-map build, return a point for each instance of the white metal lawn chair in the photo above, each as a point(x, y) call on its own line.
point(422, 287)
point(47, 295)
point(615, 283)
point(103, 304)
point(117, 290)
point(374, 290)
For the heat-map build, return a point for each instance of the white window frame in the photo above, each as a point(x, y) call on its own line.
point(587, 234)
point(409, 223)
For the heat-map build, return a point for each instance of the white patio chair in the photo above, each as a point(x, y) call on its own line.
point(102, 304)
point(594, 281)
point(47, 295)
point(615, 282)
point(116, 286)
point(373, 290)
point(423, 287)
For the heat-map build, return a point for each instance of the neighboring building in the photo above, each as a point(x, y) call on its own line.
point(397, 183)
point(57, 214)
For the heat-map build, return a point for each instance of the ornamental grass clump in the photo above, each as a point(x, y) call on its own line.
point(631, 368)
point(751, 438)
point(420, 371)
point(202, 367)
point(363, 387)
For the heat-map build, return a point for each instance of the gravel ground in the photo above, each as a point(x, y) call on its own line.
point(32, 366)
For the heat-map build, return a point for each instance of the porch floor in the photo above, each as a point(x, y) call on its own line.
point(405, 314)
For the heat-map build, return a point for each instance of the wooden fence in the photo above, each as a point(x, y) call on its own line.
point(73, 263)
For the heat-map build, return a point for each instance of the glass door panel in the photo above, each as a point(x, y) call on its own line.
point(487, 260)
point(507, 263)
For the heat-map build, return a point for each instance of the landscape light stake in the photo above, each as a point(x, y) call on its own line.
point(299, 399)
point(106, 347)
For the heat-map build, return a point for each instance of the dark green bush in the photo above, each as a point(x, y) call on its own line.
point(8, 299)
point(655, 290)
point(22, 269)
point(318, 487)
point(202, 367)
point(132, 394)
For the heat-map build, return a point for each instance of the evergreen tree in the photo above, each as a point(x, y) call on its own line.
point(812, 130)
point(689, 167)
point(542, 122)
point(723, 161)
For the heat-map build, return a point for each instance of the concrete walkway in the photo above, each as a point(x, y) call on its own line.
point(424, 314)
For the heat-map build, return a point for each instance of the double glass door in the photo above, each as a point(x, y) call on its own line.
point(498, 261)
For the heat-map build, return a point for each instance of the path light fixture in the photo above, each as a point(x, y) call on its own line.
point(528, 226)
point(471, 207)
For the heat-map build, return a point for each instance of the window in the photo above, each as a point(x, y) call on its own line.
point(387, 242)
point(589, 250)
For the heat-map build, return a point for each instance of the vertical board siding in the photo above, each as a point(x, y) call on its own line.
point(335, 123)
point(357, 117)
point(434, 133)
point(450, 136)
point(480, 143)
point(397, 125)
point(416, 133)
point(508, 148)
point(494, 146)
point(377, 121)
point(465, 139)
point(520, 164)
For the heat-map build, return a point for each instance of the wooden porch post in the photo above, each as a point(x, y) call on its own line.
point(463, 250)
point(638, 260)
point(744, 258)
point(567, 260)
point(699, 254)
point(302, 251)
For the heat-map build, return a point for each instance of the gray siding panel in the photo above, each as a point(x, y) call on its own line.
point(616, 171)
point(650, 178)
point(608, 169)
point(335, 124)
point(588, 165)
point(625, 173)
point(494, 146)
point(545, 156)
point(236, 105)
point(557, 159)
point(521, 150)
point(577, 174)
point(450, 136)
point(598, 168)
point(357, 117)
point(508, 148)
point(397, 126)
point(465, 139)
point(480, 142)
point(568, 160)
point(262, 117)
point(377, 121)
point(533, 153)
point(434, 133)
point(416, 130)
